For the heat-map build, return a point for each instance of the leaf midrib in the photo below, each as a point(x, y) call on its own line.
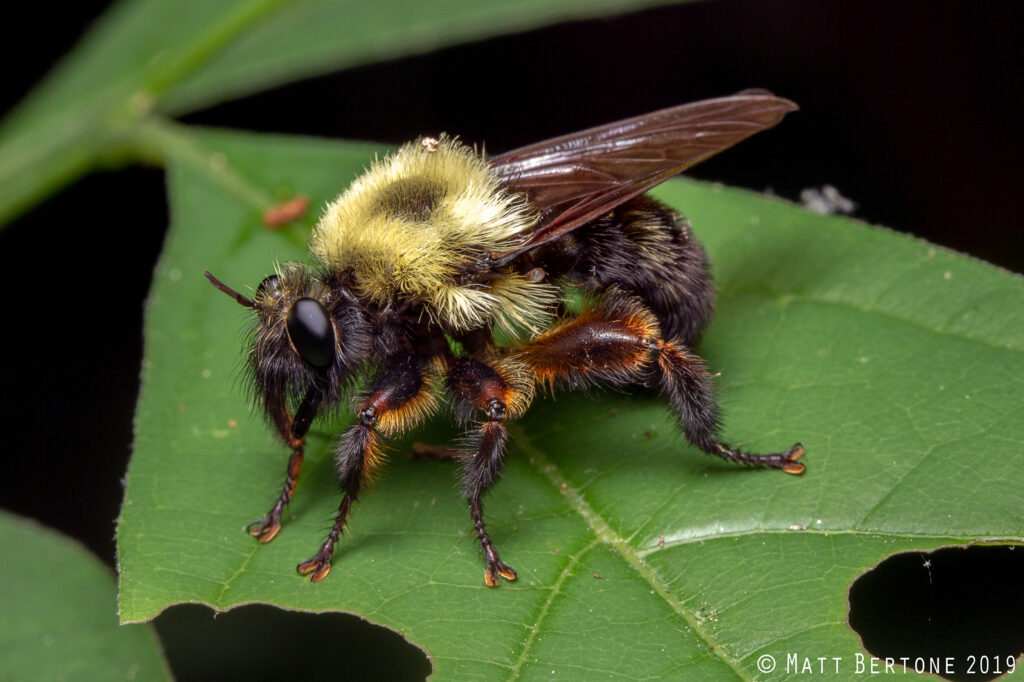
point(634, 557)
point(603, 532)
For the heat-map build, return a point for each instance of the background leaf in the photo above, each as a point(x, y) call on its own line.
point(57, 620)
point(897, 363)
point(153, 55)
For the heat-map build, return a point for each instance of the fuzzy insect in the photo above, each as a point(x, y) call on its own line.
point(435, 243)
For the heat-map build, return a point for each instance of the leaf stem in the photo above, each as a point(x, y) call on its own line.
point(40, 162)
point(162, 141)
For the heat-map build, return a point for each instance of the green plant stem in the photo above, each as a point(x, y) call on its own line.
point(75, 141)
point(160, 141)
point(163, 142)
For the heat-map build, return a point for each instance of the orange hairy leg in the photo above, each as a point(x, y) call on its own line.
point(618, 343)
point(399, 398)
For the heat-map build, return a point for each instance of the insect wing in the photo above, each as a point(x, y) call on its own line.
point(575, 178)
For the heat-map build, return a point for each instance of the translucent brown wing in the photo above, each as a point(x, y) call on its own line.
point(575, 178)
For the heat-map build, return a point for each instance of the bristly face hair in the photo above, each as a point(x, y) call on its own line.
point(310, 334)
point(435, 244)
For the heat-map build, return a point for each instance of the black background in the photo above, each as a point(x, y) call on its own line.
point(912, 109)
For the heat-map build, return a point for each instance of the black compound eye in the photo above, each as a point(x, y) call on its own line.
point(270, 286)
point(311, 332)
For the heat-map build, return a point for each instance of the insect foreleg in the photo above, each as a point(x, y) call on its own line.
point(293, 431)
point(398, 399)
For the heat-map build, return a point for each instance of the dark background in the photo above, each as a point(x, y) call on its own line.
point(911, 109)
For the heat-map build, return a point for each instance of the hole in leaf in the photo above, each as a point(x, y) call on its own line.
point(259, 642)
point(961, 604)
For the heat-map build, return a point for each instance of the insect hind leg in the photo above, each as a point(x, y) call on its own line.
point(683, 378)
point(618, 343)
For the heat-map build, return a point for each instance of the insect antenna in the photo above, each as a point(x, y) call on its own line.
point(247, 302)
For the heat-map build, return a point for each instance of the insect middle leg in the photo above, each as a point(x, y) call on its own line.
point(399, 398)
point(499, 390)
point(618, 343)
point(293, 430)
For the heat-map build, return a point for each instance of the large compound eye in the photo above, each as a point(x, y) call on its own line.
point(270, 286)
point(311, 332)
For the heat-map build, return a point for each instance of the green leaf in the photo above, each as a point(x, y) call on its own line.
point(174, 57)
point(898, 364)
point(58, 616)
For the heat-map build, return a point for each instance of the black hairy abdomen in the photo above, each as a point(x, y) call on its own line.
point(645, 249)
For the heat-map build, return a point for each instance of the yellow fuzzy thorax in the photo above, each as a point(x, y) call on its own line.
point(412, 222)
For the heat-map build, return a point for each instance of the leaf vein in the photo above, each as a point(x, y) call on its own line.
point(606, 534)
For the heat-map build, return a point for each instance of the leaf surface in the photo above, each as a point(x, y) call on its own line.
point(58, 616)
point(898, 364)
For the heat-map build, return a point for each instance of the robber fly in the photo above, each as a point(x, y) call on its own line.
point(434, 247)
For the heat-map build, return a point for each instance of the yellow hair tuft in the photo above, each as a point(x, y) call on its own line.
point(412, 223)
